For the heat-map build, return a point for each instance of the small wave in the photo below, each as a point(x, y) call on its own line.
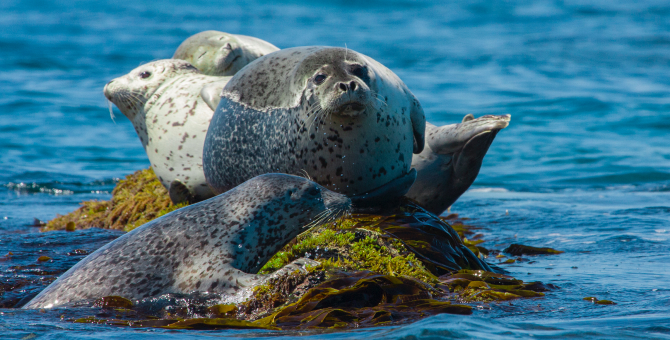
point(488, 190)
point(643, 211)
point(60, 188)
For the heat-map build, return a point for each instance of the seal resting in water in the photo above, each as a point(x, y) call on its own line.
point(212, 246)
point(222, 54)
point(451, 160)
point(170, 105)
point(346, 120)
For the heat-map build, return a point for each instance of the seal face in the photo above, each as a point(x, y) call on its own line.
point(347, 121)
point(222, 54)
point(168, 102)
point(451, 160)
point(212, 246)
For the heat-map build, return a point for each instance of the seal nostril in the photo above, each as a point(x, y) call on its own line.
point(111, 81)
point(343, 87)
point(352, 85)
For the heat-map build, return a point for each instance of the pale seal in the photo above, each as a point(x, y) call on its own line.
point(214, 246)
point(222, 54)
point(170, 105)
point(346, 120)
point(451, 160)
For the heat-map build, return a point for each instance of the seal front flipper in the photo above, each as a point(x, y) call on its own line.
point(179, 193)
point(211, 93)
point(385, 195)
point(418, 119)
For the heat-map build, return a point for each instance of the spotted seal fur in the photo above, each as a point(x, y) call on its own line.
point(170, 105)
point(346, 120)
point(222, 54)
point(213, 246)
point(451, 160)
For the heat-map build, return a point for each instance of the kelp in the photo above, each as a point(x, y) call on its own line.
point(520, 249)
point(347, 300)
point(136, 200)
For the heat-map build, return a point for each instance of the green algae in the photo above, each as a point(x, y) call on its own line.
point(136, 200)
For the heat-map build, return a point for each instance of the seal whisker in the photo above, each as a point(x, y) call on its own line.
point(111, 112)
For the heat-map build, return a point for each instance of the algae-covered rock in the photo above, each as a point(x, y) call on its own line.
point(372, 270)
point(136, 200)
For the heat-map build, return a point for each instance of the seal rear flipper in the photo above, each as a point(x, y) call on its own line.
point(452, 138)
point(179, 193)
point(211, 93)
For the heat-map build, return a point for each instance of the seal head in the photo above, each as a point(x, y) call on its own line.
point(347, 121)
point(217, 53)
point(213, 246)
point(169, 103)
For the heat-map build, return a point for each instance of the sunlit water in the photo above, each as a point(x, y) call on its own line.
point(584, 166)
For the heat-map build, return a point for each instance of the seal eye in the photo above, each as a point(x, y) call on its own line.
point(319, 79)
point(145, 74)
point(358, 71)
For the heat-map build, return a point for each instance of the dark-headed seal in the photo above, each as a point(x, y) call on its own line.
point(451, 160)
point(346, 120)
point(222, 54)
point(170, 105)
point(212, 246)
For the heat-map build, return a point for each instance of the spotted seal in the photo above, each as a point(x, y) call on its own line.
point(170, 105)
point(344, 119)
point(451, 160)
point(213, 246)
point(222, 54)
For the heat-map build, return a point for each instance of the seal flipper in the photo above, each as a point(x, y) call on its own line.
point(179, 193)
point(449, 139)
point(211, 93)
point(418, 119)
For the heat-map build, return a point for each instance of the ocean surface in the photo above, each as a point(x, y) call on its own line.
point(584, 166)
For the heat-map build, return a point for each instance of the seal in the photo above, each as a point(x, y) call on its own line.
point(213, 246)
point(337, 115)
point(222, 54)
point(170, 104)
point(451, 160)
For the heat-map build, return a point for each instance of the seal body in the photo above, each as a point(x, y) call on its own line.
point(451, 160)
point(168, 102)
point(339, 116)
point(222, 54)
point(212, 246)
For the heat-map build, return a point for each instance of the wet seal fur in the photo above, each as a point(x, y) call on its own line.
point(213, 246)
point(451, 160)
point(342, 118)
point(222, 54)
point(170, 104)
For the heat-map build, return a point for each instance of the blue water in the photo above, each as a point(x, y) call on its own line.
point(584, 166)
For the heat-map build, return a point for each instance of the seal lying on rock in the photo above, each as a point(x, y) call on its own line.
point(212, 246)
point(169, 103)
point(346, 120)
point(222, 54)
point(451, 160)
